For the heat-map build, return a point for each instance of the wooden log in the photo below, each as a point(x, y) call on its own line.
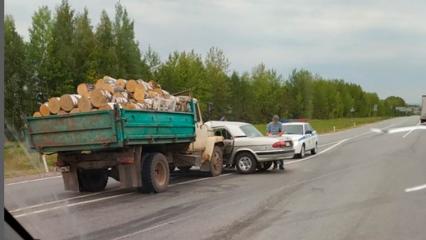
point(139, 94)
point(130, 106)
point(54, 105)
point(44, 109)
point(75, 110)
point(84, 104)
point(109, 80)
point(123, 94)
point(100, 97)
point(69, 101)
point(84, 89)
point(37, 114)
point(99, 83)
point(120, 100)
point(121, 83)
point(131, 85)
point(108, 106)
point(62, 112)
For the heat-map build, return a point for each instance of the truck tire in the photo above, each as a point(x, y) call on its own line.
point(216, 162)
point(155, 173)
point(184, 168)
point(92, 180)
point(246, 163)
point(264, 166)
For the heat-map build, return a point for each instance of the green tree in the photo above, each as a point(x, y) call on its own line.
point(16, 92)
point(127, 48)
point(301, 91)
point(60, 52)
point(84, 45)
point(150, 64)
point(37, 51)
point(104, 54)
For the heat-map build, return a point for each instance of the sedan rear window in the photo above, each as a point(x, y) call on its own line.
point(250, 131)
point(293, 129)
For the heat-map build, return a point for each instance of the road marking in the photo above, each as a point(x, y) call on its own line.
point(34, 180)
point(71, 205)
point(101, 199)
point(323, 151)
point(59, 201)
point(417, 188)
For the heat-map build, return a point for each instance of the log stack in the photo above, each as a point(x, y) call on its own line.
point(108, 92)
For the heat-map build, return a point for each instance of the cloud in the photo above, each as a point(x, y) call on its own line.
point(380, 45)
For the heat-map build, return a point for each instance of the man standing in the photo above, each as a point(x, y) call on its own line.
point(274, 128)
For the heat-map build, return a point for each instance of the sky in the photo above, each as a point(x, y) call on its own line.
point(380, 45)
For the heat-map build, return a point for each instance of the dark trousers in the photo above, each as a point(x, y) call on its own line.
point(278, 162)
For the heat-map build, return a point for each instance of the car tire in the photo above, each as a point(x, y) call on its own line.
point(302, 152)
point(245, 163)
point(315, 149)
point(92, 180)
point(155, 173)
point(264, 166)
point(216, 162)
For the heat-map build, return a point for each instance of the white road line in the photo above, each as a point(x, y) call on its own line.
point(71, 205)
point(34, 180)
point(323, 151)
point(59, 201)
point(408, 133)
point(417, 188)
point(101, 199)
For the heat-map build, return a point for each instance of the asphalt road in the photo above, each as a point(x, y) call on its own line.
point(361, 185)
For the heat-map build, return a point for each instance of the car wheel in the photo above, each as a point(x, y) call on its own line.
point(315, 149)
point(246, 163)
point(264, 166)
point(302, 152)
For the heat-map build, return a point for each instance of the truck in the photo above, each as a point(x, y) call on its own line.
point(138, 148)
point(423, 111)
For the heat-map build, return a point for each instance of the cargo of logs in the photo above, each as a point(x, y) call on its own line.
point(108, 92)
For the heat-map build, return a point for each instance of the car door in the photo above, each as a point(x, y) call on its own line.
point(228, 142)
point(308, 136)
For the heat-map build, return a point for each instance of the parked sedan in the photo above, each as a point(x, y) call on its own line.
point(247, 149)
point(304, 137)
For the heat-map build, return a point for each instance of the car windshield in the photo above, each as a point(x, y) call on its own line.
point(293, 129)
point(250, 131)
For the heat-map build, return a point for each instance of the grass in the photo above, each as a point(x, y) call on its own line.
point(327, 125)
point(18, 161)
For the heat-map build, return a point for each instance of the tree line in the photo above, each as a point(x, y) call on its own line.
point(65, 49)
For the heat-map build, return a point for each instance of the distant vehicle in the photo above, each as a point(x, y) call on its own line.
point(247, 149)
point(304, 137)
point(423, 112)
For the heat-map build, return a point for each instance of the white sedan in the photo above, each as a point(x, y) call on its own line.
point(304, 137)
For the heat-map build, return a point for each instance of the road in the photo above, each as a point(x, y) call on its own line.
point(361, 185)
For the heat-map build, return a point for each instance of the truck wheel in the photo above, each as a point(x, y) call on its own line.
point(92, 180)
point(246, 163)
point(155, 173)
point(184, 168)
point(216, 162)
point(264, 166)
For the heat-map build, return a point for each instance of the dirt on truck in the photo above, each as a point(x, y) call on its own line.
point(138, 148)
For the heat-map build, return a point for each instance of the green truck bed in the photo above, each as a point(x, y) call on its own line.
point(109, 129)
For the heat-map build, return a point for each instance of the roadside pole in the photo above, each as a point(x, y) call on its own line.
point(43, 159)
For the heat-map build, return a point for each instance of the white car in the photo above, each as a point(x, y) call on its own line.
point(247, 149)
point(304, 137)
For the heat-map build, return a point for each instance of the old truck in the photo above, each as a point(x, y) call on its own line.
point(138, 148)
point(423, 110)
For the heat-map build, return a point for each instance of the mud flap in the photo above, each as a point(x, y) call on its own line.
point(129, 168)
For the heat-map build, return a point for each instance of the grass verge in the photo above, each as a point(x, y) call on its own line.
point(328, 125)
point(18, 161)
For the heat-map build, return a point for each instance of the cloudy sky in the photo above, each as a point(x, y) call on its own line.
point(380, 45)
